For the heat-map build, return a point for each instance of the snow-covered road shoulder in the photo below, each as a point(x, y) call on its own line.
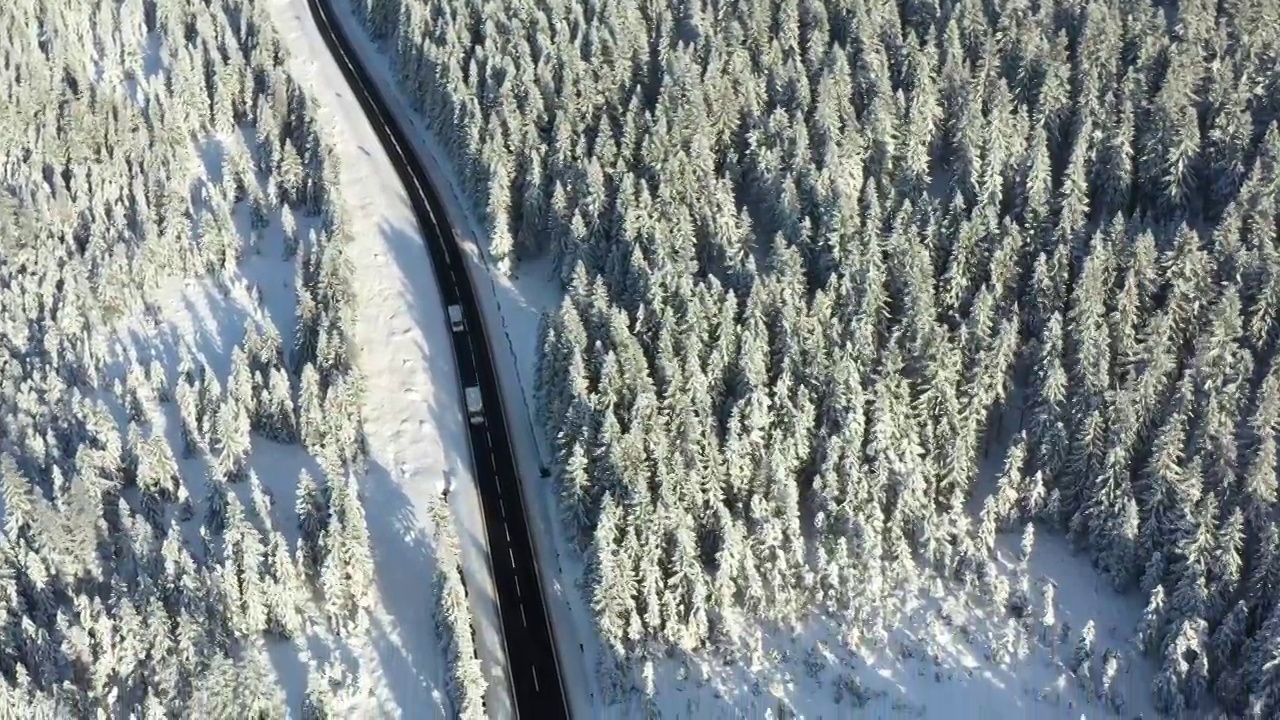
point(413, 416)
point(512, 307)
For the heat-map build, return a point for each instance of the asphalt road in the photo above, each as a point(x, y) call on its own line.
point(531, 655)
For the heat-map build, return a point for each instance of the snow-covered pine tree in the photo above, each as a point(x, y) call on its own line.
point(1149, 634)
point(1048, 611)
point(185, 397)
point(1082, 656)
point(313, 516)
point(209, 399)
point(1027, 543)
point(1108, 691)
point(356, 551)
point(240, 382)
point(285, 590)
point(310, 413)
point(467, 684)
point(319, 702)
point(215, 509)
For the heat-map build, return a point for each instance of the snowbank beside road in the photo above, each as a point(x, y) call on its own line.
point(512, 308)
point(413, 410)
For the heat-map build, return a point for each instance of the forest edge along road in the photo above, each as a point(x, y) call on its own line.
point(534, 676)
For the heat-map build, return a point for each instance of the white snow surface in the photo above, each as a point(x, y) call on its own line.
point(413, 414)
point(930, 662)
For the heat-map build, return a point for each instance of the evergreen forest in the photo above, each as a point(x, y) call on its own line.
point(146, 569)
point(852, 288)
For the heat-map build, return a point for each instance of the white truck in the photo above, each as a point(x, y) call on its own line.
point(455, 318)
point(475, 408)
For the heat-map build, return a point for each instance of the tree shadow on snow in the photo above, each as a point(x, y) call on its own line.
point(393, 515)
point(403, 558)
point(426, 311)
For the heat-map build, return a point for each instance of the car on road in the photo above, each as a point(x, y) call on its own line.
point(475, 407)
point(455, 318)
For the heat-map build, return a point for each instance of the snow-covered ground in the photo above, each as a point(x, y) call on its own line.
point(413, 410)
point(512, 308)
point(412, 415)
point(932, 661)
point(400, 664)
point(197, 316)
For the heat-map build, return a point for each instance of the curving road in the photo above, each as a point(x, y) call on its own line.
point(534, 673)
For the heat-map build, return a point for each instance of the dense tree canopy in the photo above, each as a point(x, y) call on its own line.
point(824, 257)
point(108, 606)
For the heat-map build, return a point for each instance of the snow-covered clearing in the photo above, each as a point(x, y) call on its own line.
point(933, 659)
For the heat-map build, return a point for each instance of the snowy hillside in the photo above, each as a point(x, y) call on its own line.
point(413, 415)
point(191, 432)
point(946, 654)
point(857, 294)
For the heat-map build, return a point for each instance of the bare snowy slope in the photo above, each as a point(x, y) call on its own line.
point(229, 407)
